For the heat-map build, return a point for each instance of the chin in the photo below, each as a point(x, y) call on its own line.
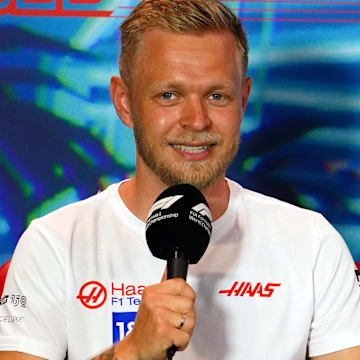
point(200, 175)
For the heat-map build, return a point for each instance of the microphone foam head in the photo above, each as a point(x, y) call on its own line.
point(179, 218)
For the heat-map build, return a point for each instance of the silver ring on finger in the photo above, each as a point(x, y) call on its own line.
point(182, 321)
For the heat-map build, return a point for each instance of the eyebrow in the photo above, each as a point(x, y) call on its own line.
point(178, 85)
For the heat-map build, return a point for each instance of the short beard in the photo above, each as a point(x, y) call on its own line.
point(200, 174)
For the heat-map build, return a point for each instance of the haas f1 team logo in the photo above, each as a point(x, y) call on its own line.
point(92, 294)
point(248, 289)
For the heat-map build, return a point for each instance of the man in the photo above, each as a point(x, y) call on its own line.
point(276, 281)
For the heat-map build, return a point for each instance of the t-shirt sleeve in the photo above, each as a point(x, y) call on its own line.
point(336, 321)
point(32, 310)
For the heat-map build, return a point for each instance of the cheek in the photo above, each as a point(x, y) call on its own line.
point(162, 120)
point(227, 121)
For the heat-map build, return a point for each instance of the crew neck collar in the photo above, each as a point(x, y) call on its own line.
point(139, 226)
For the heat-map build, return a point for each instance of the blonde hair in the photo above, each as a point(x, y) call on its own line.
point(179, 16)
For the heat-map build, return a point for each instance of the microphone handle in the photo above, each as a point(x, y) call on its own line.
point(177, 266)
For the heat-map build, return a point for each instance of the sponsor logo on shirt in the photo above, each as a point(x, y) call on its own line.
point(12, 319)
point(15, 300)
point(123, 294)
point(249, 289)
point(4, 299)
point(92, 295)
point(123, 323)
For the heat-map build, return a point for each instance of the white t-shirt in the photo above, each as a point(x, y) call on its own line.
point(274, 279)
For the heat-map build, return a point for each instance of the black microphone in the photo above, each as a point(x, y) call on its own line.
point(178, 229)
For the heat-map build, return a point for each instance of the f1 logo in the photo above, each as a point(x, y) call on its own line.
point(165, 203)
point(203, 210)
point(92, 294)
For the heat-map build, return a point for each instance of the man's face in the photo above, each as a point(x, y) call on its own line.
point(187, 102)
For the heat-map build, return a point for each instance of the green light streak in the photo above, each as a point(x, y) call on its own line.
point(307, 201)
point(94, 29)
point(116, 138)
point(45, 64)
point(335, 136)
point(9, 92)
point(26, 187)
point(250, 163)
point(58, 170)
point(62, 198)
point(40, 96)
point(320, 99)
point(354, 206)
point(105, 181)
point(70, 77)
point(81, 152)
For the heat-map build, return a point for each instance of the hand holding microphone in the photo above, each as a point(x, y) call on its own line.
point(178, 230)
point(157, 324)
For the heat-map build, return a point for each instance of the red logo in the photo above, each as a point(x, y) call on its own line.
point(246, 288)
point(92, 294)
point(94, 8)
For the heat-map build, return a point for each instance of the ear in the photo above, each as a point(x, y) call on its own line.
point(245, 94)
point(121, 100)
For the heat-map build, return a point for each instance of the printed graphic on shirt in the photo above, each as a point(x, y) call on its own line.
point(357, 273)
point(123, 323)
point(92, 294)
point(12, 319)
point(4, 299)
point(14, 299)
point(249, 289)
point(123, 294)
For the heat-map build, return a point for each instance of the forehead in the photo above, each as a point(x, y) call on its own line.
point(199, 53)
point(164, 37)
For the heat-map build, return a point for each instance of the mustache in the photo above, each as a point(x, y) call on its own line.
point(192, 136)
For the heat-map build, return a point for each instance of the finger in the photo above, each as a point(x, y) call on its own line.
point(175, 303)
point(180, 338)
point(173, 287)
point(184, 322)
point(174, 320)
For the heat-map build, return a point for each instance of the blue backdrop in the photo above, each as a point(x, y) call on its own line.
point(61, 141)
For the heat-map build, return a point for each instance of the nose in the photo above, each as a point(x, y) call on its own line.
point(195, 115)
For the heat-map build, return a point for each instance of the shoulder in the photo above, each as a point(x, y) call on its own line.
point(265, 205)
point(82, 209)
point(274, 218)
point(77, 219)
point(56, 232)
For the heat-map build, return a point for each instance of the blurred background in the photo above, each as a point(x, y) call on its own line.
point(61, 141)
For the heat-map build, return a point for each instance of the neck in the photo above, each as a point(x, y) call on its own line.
point(140, 192)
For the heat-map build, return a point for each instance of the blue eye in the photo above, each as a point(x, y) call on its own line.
point(167, 96)
point(217, 96)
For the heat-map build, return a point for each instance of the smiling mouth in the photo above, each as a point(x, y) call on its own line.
point(192, 149)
